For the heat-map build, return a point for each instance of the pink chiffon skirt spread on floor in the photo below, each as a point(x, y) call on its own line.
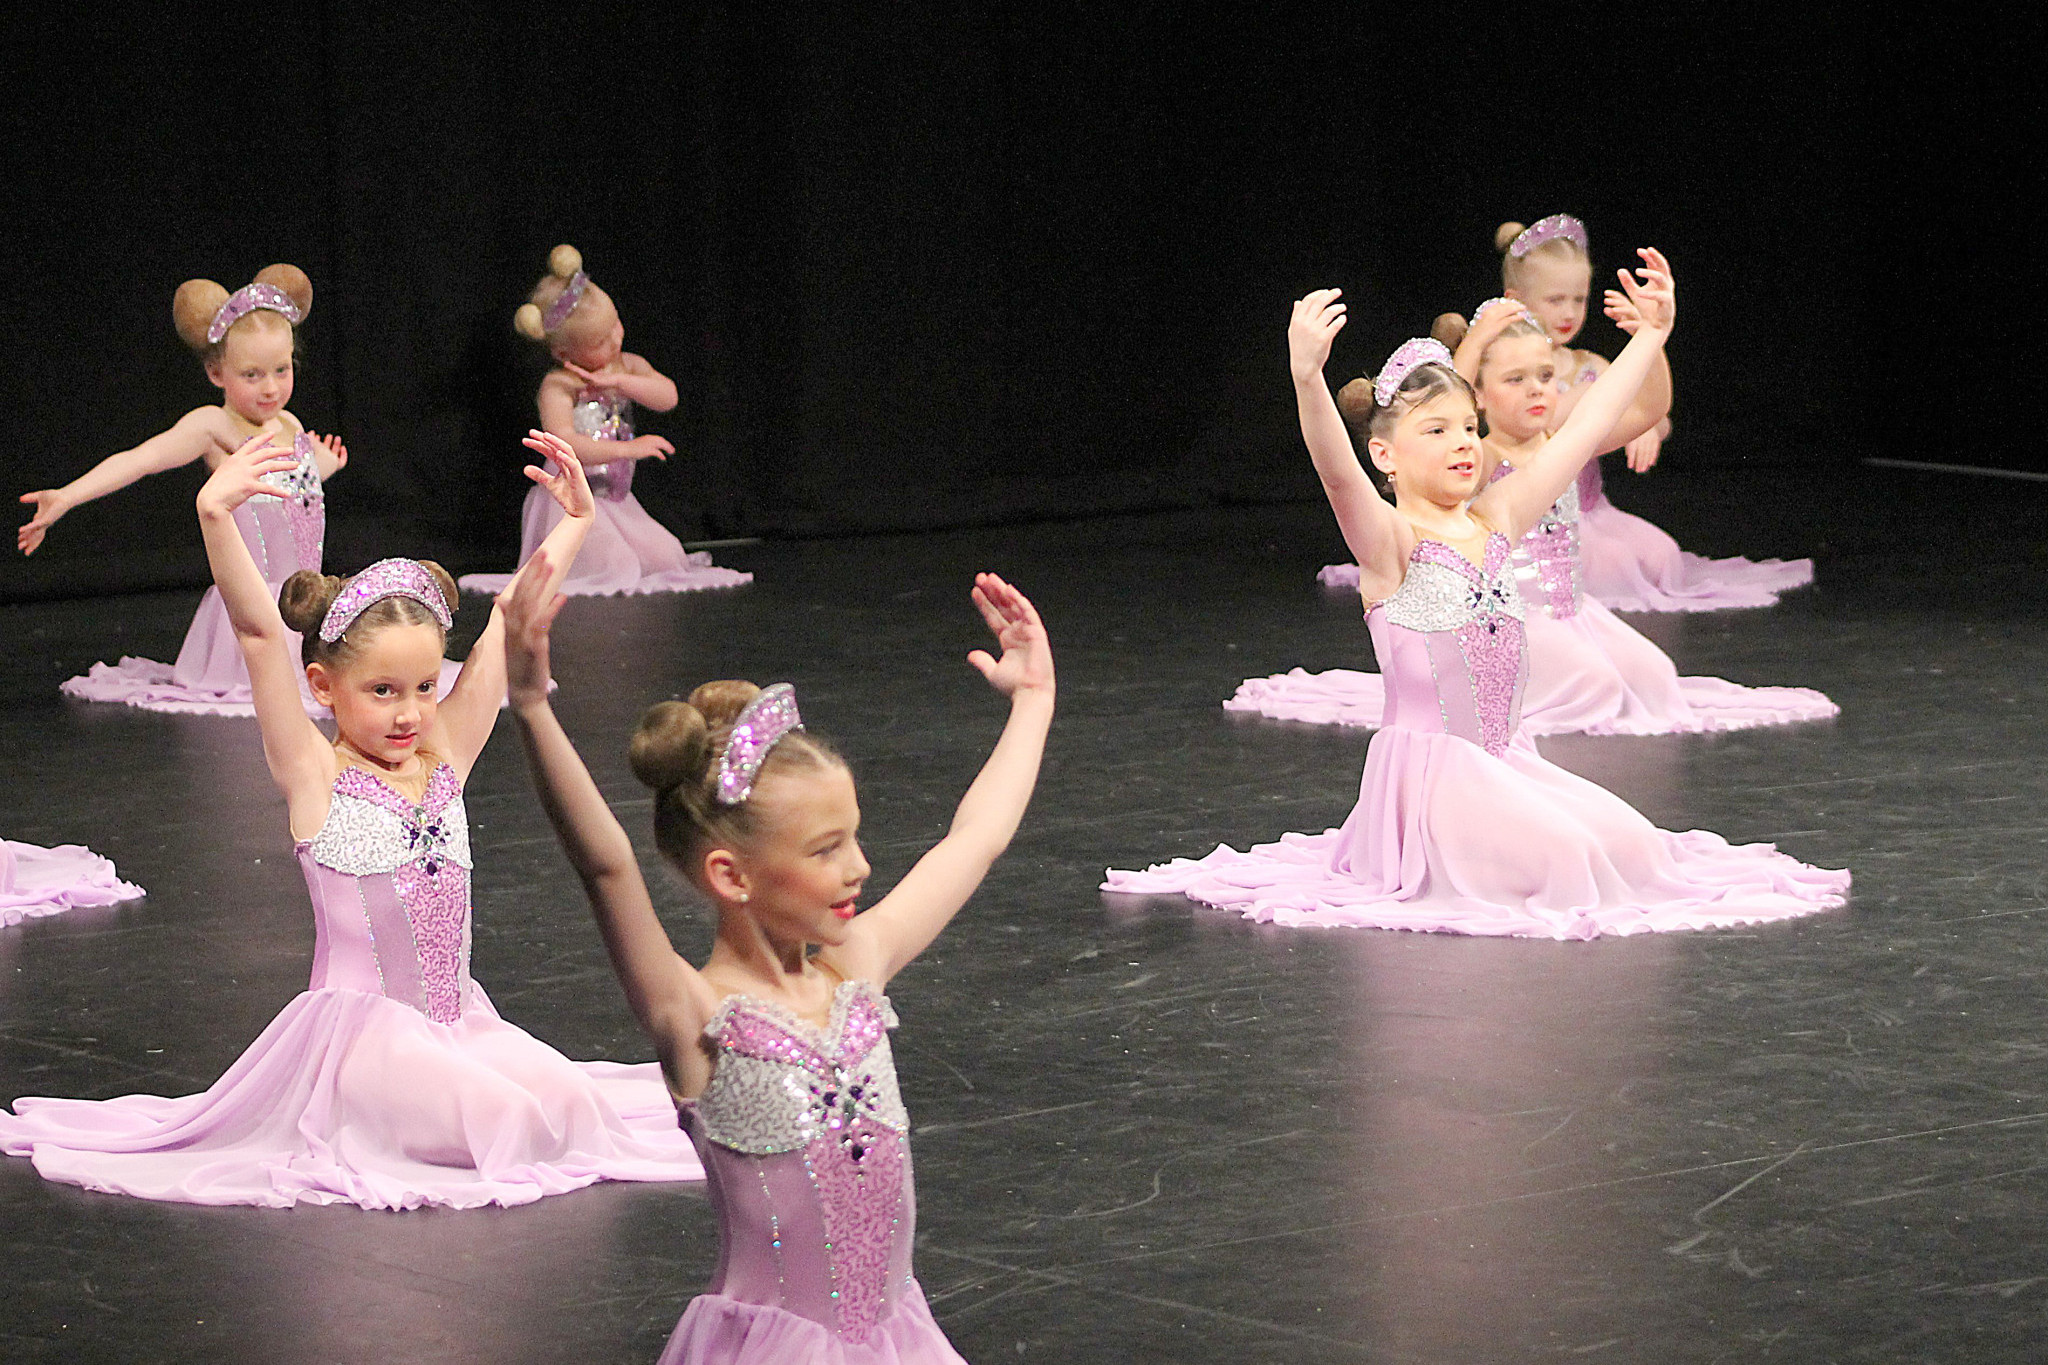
point(36, 881)
point(391, 1082)
point(1633, 566)
point(1462, 827)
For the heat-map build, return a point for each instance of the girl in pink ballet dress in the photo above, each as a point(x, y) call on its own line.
point(36, 881)
point(1588, 671)
point(1461, 826)
point(246, 342)
point(588, 401)
point(390, 1082)
point(777, 1050)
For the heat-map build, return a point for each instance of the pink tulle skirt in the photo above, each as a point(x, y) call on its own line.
point(1588, 674)
point(47, 881)
point(719, 1331)
point(1632, 566)
point(350, 1097)
point(627, 551)
point(1447, 838)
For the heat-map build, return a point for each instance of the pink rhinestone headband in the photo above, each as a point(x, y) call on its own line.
point(1414, 353)
point(767, 718)
point(1558, 226)
point(247, 300)
point(565, 302)
point(385, 578)
point(1520, 307)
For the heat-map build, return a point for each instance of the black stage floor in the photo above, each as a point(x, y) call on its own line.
point(1147, 1131)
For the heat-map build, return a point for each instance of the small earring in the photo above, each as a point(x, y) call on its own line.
point(743, 898)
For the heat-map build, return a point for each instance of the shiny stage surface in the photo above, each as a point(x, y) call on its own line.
point(1147, 1131)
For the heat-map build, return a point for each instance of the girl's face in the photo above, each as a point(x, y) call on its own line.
point(1518, 386)
point(604, 343)
point(384, 697)
point(804, 867)
point(254, 368)
point(1555, 289)
point(1433, 452)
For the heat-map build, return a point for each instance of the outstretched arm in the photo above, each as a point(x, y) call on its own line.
point(1371, 528)
point(557, 418)
point(469, 714)
point(191, 437)
point(885, 939)
point(300, 757)
point(668, 997)
point(1516, 504)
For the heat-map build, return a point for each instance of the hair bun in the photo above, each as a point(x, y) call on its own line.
point(1450, 329)
point(292, 281)
point(305, 597)
point(1355, 402)
point(1505, 234)
point(564, 261)
point(529, 323)
point(671, 746)
point(192, 310)
point(445, 581)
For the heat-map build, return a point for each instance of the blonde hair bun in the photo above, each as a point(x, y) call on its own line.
point(529, 323)
point(564, 261)
point(671, 746)
point(1504, 235)
point(192, 310)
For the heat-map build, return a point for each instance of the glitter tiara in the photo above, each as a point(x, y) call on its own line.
point(1414, 353)
point(766, 719)
point(1520, 307)
point(385, 578)
point(1557, 227)
point(247, 300)
point(565, 302)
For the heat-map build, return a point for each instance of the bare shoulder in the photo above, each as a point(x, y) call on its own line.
point(560, 381)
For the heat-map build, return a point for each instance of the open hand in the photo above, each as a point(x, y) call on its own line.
point(1651, 290)
point(567, 485)
point(529, 604)
point(50, 505)
point(240, 476)
point(649, 447)
point(1318, 317)
point(1644, 449)
point(1026, 665)
point(1622, 312)
point(1496, 315)
point(337, 453)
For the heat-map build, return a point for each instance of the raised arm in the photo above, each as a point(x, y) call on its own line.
point(667, 995)
point(635, 378)
point(1514, 505)
point(885, 939)
point(300, 757)
point(466, 718)
point(1493, 318)
point(191, 437)
point(1371, 528)
point(557, 417)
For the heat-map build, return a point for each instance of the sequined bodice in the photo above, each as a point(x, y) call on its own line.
point(1451, 645)
point(390, 886)
point(605, 415)
point(805, 1141)
point(286, 530)
point(1547, 560)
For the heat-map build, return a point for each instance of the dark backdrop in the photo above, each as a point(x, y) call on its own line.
point(914, 265)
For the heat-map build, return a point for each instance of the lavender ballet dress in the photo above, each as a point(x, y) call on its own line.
point(807, 1148)
point(1589, 671)
point(627, 551)
point(1462, 827)
point(284, 532)
point(390, 1082)
point(1630, 565)
point(36, 881)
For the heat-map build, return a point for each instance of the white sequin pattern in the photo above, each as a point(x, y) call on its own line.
point(763, 1107)
point(362, 838)
point(1436, 597)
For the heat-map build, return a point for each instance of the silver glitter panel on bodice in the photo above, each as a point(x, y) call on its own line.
point(362, 838)
point(779, 1084)
point(603, 415)
point(302, 480)
point(1437, 597)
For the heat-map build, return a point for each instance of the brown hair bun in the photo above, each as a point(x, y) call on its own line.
point(1354, 403)
point(305, 597)
point(1450, 329)
point(671, 746)
point(1504, 235)
point(292, 281)
point(192, 310)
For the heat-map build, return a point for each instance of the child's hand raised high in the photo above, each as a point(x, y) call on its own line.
point(240, 476)
point(567, 486)
point(529, 605)
point(1653, 299)
point(1026, 665)
point(1318, 317)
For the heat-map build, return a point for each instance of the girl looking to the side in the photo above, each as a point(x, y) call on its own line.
point(777, 1049)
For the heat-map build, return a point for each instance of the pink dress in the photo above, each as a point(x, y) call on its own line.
point(1461, 827)
point(390, 1082)
point(38, 881)
point(284, 532)
point(807, 1149)
point(1589, 672)
point(1633, 566)
point(627, 551)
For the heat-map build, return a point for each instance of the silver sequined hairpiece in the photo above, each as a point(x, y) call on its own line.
point(385, 578)
point(565, 302)
point(1480, 311)
point(1414, 353)
point(766, 719)
point(247, 300)
point(1557, 227)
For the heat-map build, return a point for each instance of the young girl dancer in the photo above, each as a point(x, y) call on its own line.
point(1630, 565)
point(1588, 671)
point(588, 401)
point(390, 1082)
point(245, 340)
point(778, 1055)
point(38, 881)
point(1460, 826)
